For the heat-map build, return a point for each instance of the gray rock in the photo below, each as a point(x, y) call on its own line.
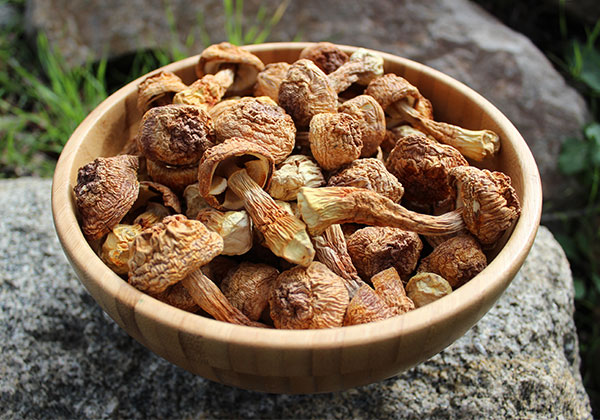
point(8, 16)
point(63, 358)
point(454, 36)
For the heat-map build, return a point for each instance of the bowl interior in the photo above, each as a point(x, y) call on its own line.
point(305, 360)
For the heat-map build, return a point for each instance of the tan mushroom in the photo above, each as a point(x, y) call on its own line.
point(173, 251)
point(235, 68)
point(371, 174)
point(153, 214)
point(248, 288)
point(362, 67)
point(335, 139)
point(489, 202)
point(326, 56)
point(205, 93)
point(388, 285)
point(322, 207)
point(247, 168)
point(269, 80)
point(259, 121)
point(154, 192)
point(179, 297)
point(425, 288)
point(457, 260)
point(402, 101)
point(234, 227)
point(194, 202)
point(158, 90)
point(106, 190)
point(367, 110)
point(374, 249)
point(308, 298)
point(293, 173)
point(116, 247)
point(306, 92)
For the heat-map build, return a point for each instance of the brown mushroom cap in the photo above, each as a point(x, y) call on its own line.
point(153, 214)
point(235, 227)
point(115, 249)
point(306, 92)
point(335, 139)
point(176, 178)
point(424, 288)
point(232, 152)
point(204, 92)
point(308, 298)
point(179, 297)
point(390, 89)
point(247, 65)
point(457, 260)
point(295, 172)
point(158, 89)
point(388, 285)
point(371, 174)
point(106, 189)
point(154, 191)
point(366, 306)
point(367, 110)
point(261, 122)
point(422, 166)
point(374, 249)
point(362, 67)
point(175, 134)
point(168, 251)
point(269, 80)
point(248, 287)
point(489, 202)
point(326, 56)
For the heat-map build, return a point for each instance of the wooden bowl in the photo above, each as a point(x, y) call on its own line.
point(298, 361)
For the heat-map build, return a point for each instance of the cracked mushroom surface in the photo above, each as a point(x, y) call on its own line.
point(106, 190)
point(158, 90)
point(367, 110)
point(335, 139)
point(308, 298)
point(326, 56)
point(374, 249)
point(293, 173)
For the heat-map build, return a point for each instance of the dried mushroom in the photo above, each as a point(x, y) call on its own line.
point(366, 306)
point(335, 139)
point(295, 172)
point(259, 121)
point(308, 298)
point(177, 296)
point(489, 202)
point(248, 288)
point(367, 110)
point(153, 214)
point(388, 285)
point(106, 189)
point(322, 207)
point(422, 166)
point(204, 93)
point(457, 260)
point(116, 247)
point(155, 192)
point(326, 56)
point(362, 67)
point(424, 288)
point(158, 90)
point(194, 202)
point(269, 80)
point(234, 227)
point(306, 92)
point(235, 68)
point(374, 249)
point(371, 174)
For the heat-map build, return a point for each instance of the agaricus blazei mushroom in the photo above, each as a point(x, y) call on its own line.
point(158, 89)
point(362, 67)
point(424, 288)
point(269, 80)
point(173, 251)
point(295, 172)
point(234, 227)
point(389, 286)
point(335, 139)
point(115, 249)
point(326, 56)
point(368, 111)
point(247, 168)
point(204, 93)
point(234, 68)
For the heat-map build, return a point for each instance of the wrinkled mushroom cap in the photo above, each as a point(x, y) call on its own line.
point(106, 189)
point(326, 56)
point(269, 80)
point(232, 152)
point(258, 121)
point(490, 203)
point(176, 178)
point(115, 249)
point(295, 172)
point(306, 92)
point(247, 65)
point(367, 110)
point(335, 139)
point(167, 252)
point(204, 93)
point(372, 64)
point(153, 191)
point(390, 88)
point(158, 89)
point(371, 174)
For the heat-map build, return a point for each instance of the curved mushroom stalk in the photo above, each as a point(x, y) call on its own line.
point(322, 207)
point(284, 233)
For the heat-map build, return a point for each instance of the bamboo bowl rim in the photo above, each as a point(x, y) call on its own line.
point(493, 279)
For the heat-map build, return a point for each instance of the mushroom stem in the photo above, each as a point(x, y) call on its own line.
point(284, 233)
point(225, 76)
point(322, 207)
point(210, 298)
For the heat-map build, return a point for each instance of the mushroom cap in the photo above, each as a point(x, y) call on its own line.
point(235, 227)
point(151, 191)
point(238, 152)
point(158, 89)
point(194, 202)
point(457, 260)
point(295, 172)
point(247, 65)
point(371, 62)
point(175, 134)
point(306, 92)
point(115, 249)
point(422, 166)
point(259, 121)
point(153, 213)
point(308, 298)
point(424, 288)
point(335, 139)
point(490, 203)
point(176, 178)
point(371, 174)
point(179, 297)
point(204, 92)
point(367, 110)
point(326, 56)
point(374, 249)
point(167, 252)
point(390, 88)
point(366, 306)
point(269, 80)
point(106, 190)
point(388, 285)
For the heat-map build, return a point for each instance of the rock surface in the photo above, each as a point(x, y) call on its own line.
point(63, 358)
point(454, 36)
